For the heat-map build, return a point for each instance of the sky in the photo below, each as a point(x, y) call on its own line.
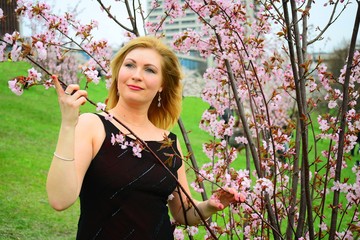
point(336, 35)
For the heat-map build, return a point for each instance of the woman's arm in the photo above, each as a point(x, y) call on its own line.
point(180, 206)
point(73, 151)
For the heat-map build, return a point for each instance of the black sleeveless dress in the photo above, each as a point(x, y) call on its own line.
point(124, 196)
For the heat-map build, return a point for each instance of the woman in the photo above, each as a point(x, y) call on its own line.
point(124, 190)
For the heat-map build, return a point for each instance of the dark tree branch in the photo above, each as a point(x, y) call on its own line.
point(344, 108)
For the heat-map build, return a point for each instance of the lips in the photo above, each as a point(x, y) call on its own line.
point(134, 87)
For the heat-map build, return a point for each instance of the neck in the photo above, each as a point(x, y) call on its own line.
point(131, 117)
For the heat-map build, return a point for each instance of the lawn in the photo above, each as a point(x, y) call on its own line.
point(28, 131)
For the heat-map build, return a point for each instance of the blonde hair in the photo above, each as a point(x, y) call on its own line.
point(168, 113)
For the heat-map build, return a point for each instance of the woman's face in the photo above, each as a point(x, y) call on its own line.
point(140, 77)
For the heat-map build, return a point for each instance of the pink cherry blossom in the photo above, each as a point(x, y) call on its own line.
point(179, 234)
point(42, 53)
point(92, 75)
point(137, 148)
point(34, 76)
point(100, 106)
point(15, 52)
point(192, 230)
point(109, 117)
point(48, 84)
point(15, 87)
point(171, 197)
point(196, 187)
point(323, 124)
point(2, 53)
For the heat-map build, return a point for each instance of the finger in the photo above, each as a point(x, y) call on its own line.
point(57, 84)
point(231, 194)
point(242, 198)
point(220, 206)
point(83, 97)
point(72, 89)
point(234, 193)
point(78, 96)
point(216, 203)
point(76, 91)
point(229, 191)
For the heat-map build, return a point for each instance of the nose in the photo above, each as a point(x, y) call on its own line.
point(137, 76)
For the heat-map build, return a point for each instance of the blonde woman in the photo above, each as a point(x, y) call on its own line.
point(124, 190)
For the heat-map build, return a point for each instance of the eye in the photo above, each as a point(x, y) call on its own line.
point(129, 65)
point(150, 70)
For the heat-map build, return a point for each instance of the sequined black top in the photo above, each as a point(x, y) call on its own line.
point(124, 196)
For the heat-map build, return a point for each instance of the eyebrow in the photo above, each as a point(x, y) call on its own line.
point(147, 65)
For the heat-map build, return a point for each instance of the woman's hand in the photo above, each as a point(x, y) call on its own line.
point(223, 197)
point(70, 101)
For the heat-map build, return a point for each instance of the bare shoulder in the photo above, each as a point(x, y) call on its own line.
point(90, 123)
point(89, 117)
point(91, 130)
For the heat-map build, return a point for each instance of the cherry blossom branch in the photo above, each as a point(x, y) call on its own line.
point(77, 44)
point(332, 19)
point(301, 101)
point(275, 212)
point(192, 157)
point(107, 10)
point(236, 96)
point(242, 116)
point(327, 173)
point(265, 221)
point(344, 109)
point(143, 17)
point(247, 132)
point(232, 83)
point(132, 16)
point(300, 51)
point(294, 187)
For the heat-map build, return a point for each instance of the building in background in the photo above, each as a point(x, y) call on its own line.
point(191, 61)
point(10, 23)
point(194, 65)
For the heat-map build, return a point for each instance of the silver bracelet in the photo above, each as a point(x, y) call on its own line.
point(62, 158)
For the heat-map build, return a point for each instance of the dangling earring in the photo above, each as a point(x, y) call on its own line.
point(159, 100)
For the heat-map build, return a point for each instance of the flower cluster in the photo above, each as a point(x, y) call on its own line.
point(56, 43)
point(18, 84)
point(120, 139)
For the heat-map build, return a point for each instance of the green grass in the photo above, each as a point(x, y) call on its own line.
point(28, 130)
